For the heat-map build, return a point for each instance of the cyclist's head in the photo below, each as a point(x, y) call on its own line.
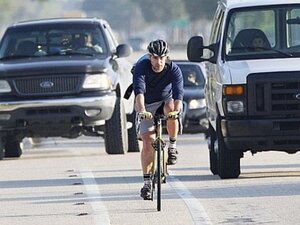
point(158, 48)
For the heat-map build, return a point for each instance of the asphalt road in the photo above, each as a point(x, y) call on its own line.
point(70, 182)
point(73, 182)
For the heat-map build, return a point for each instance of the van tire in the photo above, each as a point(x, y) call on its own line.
point(228, 160)
point(13, 148)
point(1, 148)
point(213, 159)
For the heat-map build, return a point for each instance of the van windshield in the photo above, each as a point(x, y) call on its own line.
point(263, 32)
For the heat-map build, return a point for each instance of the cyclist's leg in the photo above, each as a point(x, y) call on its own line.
point(172, 128)
point(147, 134)
point(147, 151)
point(147, 155)
point(172, 125)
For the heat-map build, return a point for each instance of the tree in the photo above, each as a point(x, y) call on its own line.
point(157, 11)
point(116, 12)
point(200, 9)
point(14, 11)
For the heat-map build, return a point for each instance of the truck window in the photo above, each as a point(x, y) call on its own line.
point(244, 27)
point(216, 30)
point(276, 34)
point(43, 41)
point(293, 28)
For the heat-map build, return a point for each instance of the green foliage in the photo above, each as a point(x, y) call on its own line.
point(117, 12)
point(161, 11)
point(121, 14)
point(14, 11)
point(199, 9)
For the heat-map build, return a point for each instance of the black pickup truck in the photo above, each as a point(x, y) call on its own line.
point(64, 78)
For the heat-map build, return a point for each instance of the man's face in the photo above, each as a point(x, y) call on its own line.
point(258, 42)
point(158, 63)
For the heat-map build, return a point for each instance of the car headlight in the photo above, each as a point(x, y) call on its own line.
point(235, 107)
point(98, 81)
point(197, 103)
point(4, 86)
point(234, 99)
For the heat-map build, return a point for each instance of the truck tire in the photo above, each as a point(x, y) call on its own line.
point(115, 134)
point(228, 161)
point(133, 142)
point(1, 148)
point(13, 148)
point(213, 159)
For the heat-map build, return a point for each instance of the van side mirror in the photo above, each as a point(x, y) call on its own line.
point(123, 50)
point(195, 49)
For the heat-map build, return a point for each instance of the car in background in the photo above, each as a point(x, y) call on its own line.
point(65, 78)
point(138, 43)
point(194, 105)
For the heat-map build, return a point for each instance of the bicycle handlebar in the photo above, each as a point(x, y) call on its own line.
point(157, 117)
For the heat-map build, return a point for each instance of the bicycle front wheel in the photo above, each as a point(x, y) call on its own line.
point(159, 173)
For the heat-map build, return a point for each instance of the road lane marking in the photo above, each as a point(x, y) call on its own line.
point(196, 209)
point(101, 215)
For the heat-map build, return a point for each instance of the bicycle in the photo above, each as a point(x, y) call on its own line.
point(159, 164)
point(159, 169)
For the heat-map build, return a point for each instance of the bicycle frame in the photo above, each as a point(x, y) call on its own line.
point(159, 163)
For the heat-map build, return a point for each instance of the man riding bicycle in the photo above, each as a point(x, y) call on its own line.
point(157, 82)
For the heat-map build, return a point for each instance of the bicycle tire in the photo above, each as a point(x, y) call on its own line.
point(152, 188)
point(164, 165)
point(159, 173)
point(153, 176)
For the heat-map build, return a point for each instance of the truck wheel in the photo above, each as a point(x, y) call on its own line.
point(228, 161)
point(133, 142)
point(1, 149)
point(13, 148)
point(115, 135)
point(213, 159)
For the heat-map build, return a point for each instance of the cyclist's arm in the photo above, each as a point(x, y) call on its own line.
point(140, 103)
point(178, 105)
point(177, 88)
point(139, 86)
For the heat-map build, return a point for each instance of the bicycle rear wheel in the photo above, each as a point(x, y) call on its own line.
point(164, 165)
point(159, 178)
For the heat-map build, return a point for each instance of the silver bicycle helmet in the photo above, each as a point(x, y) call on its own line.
point(159, 48)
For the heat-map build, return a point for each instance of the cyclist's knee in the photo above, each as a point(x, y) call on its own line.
point(148, 138)
point(169, 107)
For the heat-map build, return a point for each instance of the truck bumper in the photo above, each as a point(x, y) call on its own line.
point(262, 135)
point(87, 110)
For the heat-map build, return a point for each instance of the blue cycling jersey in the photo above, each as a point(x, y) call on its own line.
point(157, 86)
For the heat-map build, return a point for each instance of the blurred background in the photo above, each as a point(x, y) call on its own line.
point(134, 21)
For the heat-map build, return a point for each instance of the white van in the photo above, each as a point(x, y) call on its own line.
point(253, 80)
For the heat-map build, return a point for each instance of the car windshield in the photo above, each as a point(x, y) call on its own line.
point(192, 75)
point(53, 40)
point(263, 32)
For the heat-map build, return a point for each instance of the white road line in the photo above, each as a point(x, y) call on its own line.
point(196, 209)
point(101, 215)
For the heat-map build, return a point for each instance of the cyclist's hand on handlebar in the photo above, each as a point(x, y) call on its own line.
point(173, 115)
point(145, 115)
